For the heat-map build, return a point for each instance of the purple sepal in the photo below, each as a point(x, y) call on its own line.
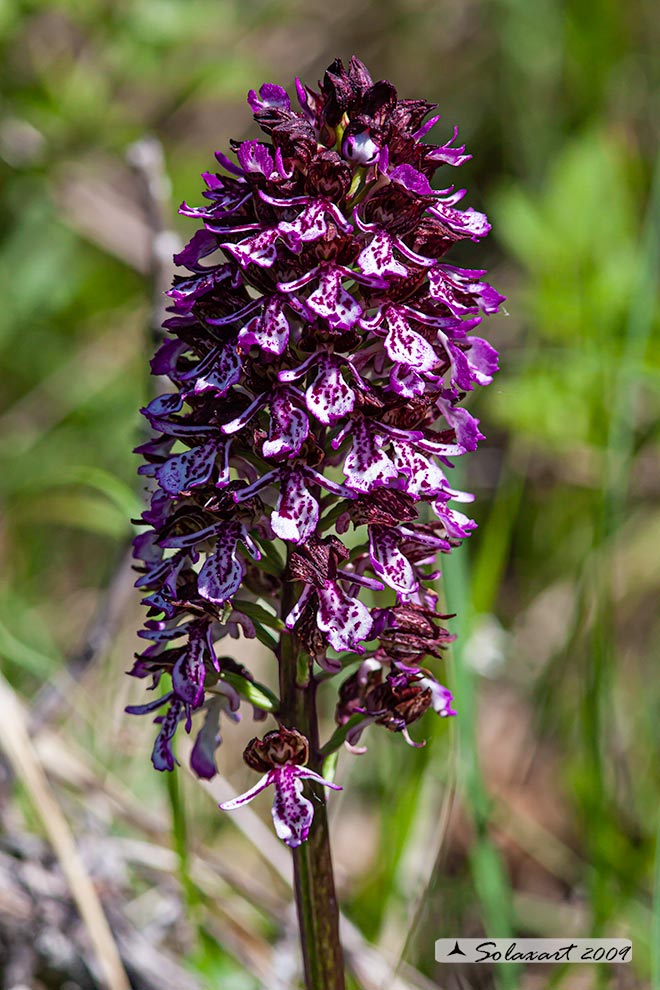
point(377, 258)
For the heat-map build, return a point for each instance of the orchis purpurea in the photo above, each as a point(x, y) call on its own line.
point(319, 347)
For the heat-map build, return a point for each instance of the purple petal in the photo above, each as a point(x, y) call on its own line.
point(346, 621)
point(239, 422)
point(255, 157)
point(329, 398)
point(445, 153)
point(411, 180)
point(163, 405)
point(423, 478)
point(465, 223)
point(269, 330)
point(165, 359)
point(405, 381)
point(406, 346)
point(270, 95)
point(298, 608)
point(378, 257)
point(388, 561)
point(308, 774)
point(461, 291)
point(332, 302)
point(367, 466)
point(189, 672)
point(441, 697)
point(483, 360)
point(465, 425)
point(257, 486)
point(457, 525)
point(162, 756)
point(288, 427)
point(185, 471)
point(150, 706)
point(248, 796)
point(202, 243)
point(202, 757)
point(297, 511)
point(261, 249)
point(221, 575)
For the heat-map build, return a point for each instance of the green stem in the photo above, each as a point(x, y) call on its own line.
point(316, 900)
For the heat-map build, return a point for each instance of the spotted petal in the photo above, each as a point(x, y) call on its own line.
point(406, 382)
point(331, 300)
point(367, 466)
point(346, 621)
point(423, 477)
point(185, 471)
point(388, 561)
point(218, 372)
point(293, 813)
point(297, 511)
point(260, 249)
point(162, 756)
point(377, 258)
point(405, 346)
point(288, 428)
point(221, 575)
point(329, 398)
point(189, 672)
point(269, 330)
point(312, 222)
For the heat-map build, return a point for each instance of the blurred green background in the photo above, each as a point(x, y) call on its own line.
point(535, 812)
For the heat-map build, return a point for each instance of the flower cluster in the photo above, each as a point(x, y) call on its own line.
point(319, 347)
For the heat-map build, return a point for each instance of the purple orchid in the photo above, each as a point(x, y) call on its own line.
point(319, 349)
